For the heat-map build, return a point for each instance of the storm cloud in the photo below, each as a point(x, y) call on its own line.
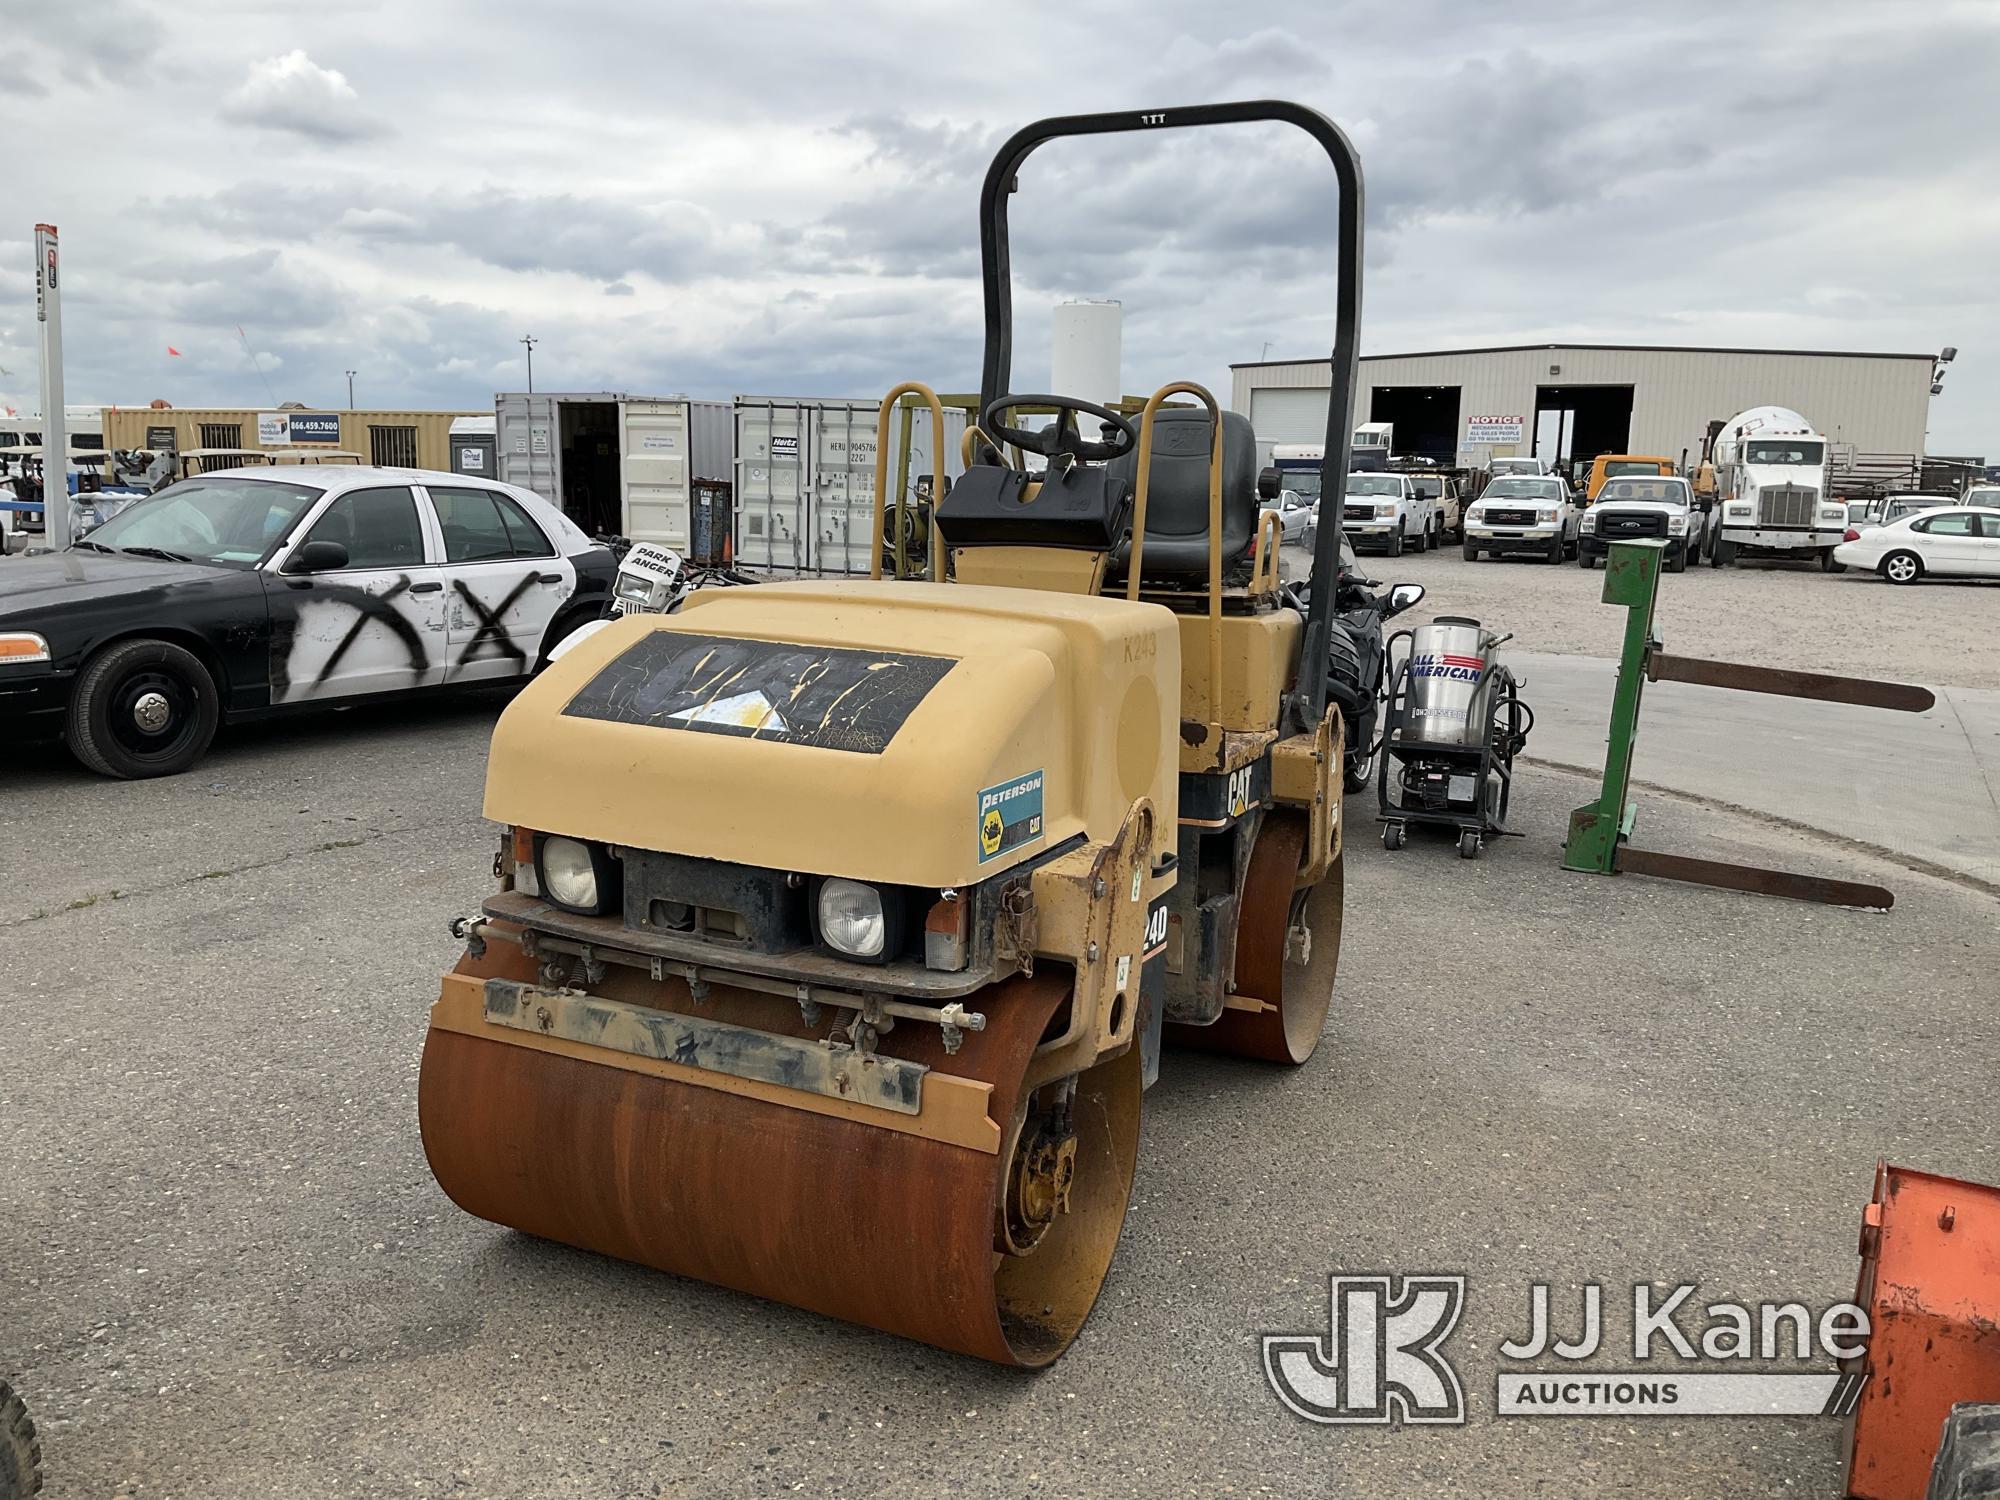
point(773, 197)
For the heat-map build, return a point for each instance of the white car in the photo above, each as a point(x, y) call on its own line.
point(1293, 511)
point(1895, 507)
point(1386, 513)
point(1956, 541)
point(1632, 506)
point(1523, 513)
point(1500, 468)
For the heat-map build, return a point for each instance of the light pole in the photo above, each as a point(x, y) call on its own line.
point(529, 341)
point(350, 390)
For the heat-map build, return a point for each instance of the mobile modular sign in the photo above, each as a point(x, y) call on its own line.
point(283, 429)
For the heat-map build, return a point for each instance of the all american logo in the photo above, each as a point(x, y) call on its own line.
point(1449, 665)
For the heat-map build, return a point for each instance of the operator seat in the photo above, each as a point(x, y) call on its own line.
point(1176, 549)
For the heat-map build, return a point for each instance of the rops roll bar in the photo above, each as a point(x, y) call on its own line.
point(1002, 179)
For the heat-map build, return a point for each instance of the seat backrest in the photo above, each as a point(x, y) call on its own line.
point(1177, 502)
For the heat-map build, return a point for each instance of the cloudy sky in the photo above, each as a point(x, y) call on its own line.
point(781, 197)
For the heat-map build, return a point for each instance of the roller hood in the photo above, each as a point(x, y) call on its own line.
point(911, 734)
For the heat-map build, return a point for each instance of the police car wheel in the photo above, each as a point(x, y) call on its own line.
point(142, 708)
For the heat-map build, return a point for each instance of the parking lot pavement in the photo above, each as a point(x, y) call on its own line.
point(224, 1269)
point(1925, 786)
point(1775, 614)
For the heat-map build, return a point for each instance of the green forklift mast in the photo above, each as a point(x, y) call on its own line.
point(1600, 831)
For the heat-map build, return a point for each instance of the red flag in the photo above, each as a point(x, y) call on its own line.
point(173, 351)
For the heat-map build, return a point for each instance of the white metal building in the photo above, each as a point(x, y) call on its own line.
point(1577, 400)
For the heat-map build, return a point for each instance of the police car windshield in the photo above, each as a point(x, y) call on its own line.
point(214, 519)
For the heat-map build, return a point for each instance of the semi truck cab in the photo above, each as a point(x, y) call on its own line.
point(1772, 491)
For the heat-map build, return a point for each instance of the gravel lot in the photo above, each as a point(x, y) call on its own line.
point(1769, 614)
point(225, 1270)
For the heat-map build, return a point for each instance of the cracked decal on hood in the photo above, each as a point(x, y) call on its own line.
point(829, 697)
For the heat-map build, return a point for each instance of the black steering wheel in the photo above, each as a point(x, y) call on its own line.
point(1062, 437)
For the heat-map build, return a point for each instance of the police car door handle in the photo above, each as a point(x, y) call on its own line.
point(548, 578)
point(426, 588)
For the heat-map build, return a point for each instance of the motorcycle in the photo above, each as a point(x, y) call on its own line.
point(1355, 642)
point(652, 580)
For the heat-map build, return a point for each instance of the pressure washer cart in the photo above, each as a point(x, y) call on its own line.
point(1455, 722)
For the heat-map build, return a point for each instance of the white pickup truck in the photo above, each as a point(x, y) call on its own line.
point(1386, 512)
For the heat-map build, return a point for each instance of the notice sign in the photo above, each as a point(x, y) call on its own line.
point(1494, 429)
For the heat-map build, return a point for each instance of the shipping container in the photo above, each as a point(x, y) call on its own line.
point(400, 439)
point(805, 478)
point(472, 447)
point(616, 464)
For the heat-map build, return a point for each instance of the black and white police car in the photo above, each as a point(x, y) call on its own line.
point(246, 592)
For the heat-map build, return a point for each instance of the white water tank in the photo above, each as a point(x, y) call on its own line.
point(1089, 346)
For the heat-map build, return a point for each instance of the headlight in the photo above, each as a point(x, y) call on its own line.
point(1677, 525)
point(1587, 521)
point(1549, 513)
point(1833, 514)
point(851, 919)
point(23, 645)
point(1385, 512)
point(1741, 512)
point(637, 588)
point(574, 875)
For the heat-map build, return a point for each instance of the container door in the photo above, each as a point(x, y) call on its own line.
point(654, 471)
point(772, 452)
point(843, 485)
point(530, 454)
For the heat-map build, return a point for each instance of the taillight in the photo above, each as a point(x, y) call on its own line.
point(1852, 535)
